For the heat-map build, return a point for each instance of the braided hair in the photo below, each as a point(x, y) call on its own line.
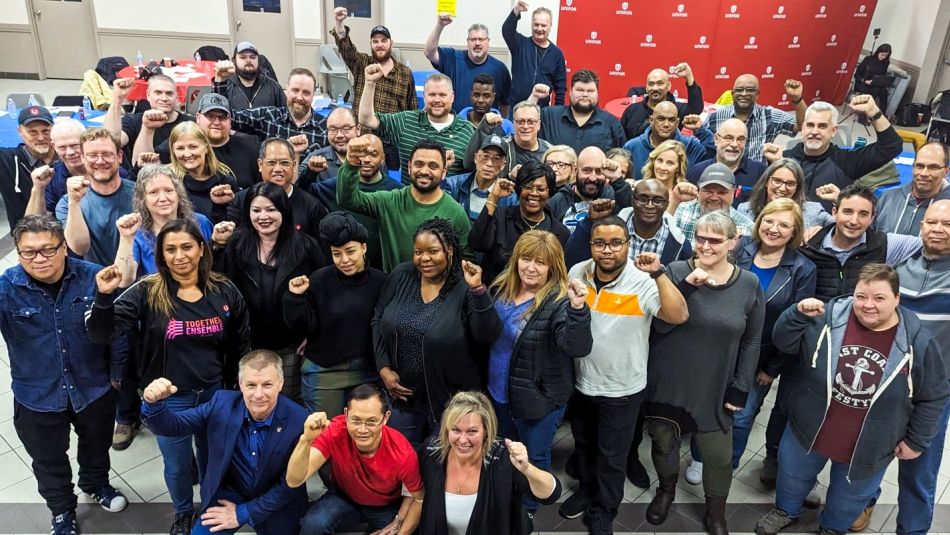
point(448, 237)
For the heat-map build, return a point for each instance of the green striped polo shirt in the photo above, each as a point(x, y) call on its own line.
point(406, 128)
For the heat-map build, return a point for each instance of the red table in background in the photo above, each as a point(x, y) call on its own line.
point(187, 74)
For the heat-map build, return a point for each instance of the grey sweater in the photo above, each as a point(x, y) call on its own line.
point(924, 285)
point(898, 212)
point(696, 367)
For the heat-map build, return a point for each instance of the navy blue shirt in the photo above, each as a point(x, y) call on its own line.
point(243, 473)
point(462, 70)
point(52, 362)
point(558, 127)
point(747, 174)
point(531, 65)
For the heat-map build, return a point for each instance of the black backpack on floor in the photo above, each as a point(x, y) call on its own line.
point(913, 114)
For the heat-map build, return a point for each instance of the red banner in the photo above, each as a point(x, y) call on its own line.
point(814, 41)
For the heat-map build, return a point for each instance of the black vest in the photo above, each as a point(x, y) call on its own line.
point(835, 279)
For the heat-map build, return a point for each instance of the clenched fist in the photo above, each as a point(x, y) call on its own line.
point(222, 70)
point(76, 188)
point(147, 158)
point(373, 73)
point(492, 119)
point(698, 277)
point(684, 192)
point(158, 390)
point(315, 424)
point(793, 88)
point(222, 194)
point(317, 164)
point(541, 92)
point(121, 88)
point(41, 177)
point(222, 232)
point(518, 454)
point(300, 142)
point(647, 262)
point(600, 208)
point(473, 274)
point(692, 122)
point(520, 7)
point(108, 279)
point(154, 119)
point(828, 192)
point(299, 285)
point(772, 152)
point(811, 307)
point(577, 293)
point(129, 224)
point(357, 148)
point(864, 104)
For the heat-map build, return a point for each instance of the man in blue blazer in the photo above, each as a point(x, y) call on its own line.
point(252, 434)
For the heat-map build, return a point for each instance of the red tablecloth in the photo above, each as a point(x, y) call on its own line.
point(188, 73)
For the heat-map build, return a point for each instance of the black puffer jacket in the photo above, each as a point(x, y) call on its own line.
point(541, 373)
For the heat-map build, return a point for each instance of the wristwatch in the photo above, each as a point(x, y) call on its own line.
point(656, 274)
point(876, 116)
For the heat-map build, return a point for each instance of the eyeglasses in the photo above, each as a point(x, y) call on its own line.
point(217, 117)
point(787, 184)
point(345, 130)
point(560, 166)
point(526, 122)
point(494, 160)
point(47, 252)
point(700, 240)
point(615, 245)
point(477, 39)
point(933, 168)
point(733, 139)
point(107, 157)
point(768, 222)
point(270, 164)
point(744, 90)
point(646, 200)
point(369, 424)
point(535, 189)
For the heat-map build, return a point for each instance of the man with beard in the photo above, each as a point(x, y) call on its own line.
point(94, 201)
point(471, 190)
point(824, 162)
point(900, 210)
point(664, 124)
point(764, 123)
point(277, 164)
point(580, 124)
point(242, 83)
point(406, 128)
point(731, 141)
point(714, 193)
point(18, 163)
point(372, 178)
point(153, 125)
point(399, 212)
point(286, 122)
point(463, 66)
point(634, 118)
point(323, 163)
point(395, 90)
point(524, 145)
point(571, 203)
point(651, 228)
point(535, 59)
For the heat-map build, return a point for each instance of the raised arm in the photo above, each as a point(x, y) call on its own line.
point(112, 121)
point(41, 177)
point(432, 42)
point(367, 112)
point(128, 225)
point(306, 459)
point(69, 210)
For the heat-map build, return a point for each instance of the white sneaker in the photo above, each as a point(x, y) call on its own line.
point(694, 472)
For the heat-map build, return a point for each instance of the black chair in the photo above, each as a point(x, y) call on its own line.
point(212, 53)
point(637, 91)
point(109, 66)
point(68, 100)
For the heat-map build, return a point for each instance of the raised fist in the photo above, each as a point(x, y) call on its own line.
point(520, 7)
point(864, 104)
point(147, 158)
point(612, 169)
point(158, 390)
point(317, 164)
point(299, 285)
point(492, 119)
point(222, 70)
point(502, 188)
point(828, 192)
point(108, 279)
point(222, 194)
point(154, 119)
point(473, 274)
point(41, 176)
point(76, 188)
point(340, 14)
point(121, 88)
point(373, 73)
point(600, 208)
point(129, 224)
point(222, 232)
point(684, 192)
point(811, 307)
point(793, 88)
point(356, 149)
point(577, 293)
point(683, 70)
point(647, 262)
point(698, 277)
point(771, 152)
point(315, 424)
point(541, 92)
point(692, 122)
point(518, 454)
point(444, 20)
point(300, 142)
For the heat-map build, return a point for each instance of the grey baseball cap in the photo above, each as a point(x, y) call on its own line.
point(214, 101)
point(718, 173)
point(244, 46)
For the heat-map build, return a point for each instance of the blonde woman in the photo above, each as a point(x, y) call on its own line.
point(474, 481)
point(210, 184)
point(667, 163)
point(563, 160)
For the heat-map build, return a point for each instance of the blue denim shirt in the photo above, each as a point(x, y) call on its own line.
point(52, 362)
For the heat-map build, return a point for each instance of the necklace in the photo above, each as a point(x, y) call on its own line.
point(776, 257)
point(528, 221)
point(468, 476)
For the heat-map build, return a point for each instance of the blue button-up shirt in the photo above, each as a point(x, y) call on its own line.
point(52, 362)
point(242, 476)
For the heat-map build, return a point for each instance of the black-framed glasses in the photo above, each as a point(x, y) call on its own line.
point(645, 200)
point(788, 184)
point(559, 165)
point(46, 252)
point(615, 245)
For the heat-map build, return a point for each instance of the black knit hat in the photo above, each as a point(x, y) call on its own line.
point(340, 228)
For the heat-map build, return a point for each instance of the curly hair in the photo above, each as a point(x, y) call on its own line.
point(448, 237)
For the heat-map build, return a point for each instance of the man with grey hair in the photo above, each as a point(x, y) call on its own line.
point(404, 129)
point(244, 482)
point(713, 193)
point(463, 66)
point(535, 59)
point(731, 141)
point(824, 162)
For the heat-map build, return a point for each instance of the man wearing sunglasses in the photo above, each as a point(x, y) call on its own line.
point(900, 210)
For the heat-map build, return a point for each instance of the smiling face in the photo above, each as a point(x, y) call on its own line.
point(161, 198)
point(182, 254)
point(260, 389)
point(712, 248)
point(190, 153)
point(265, 217)
point(935, 229)
point(430, 257)
point(658, 86)
point(427, 169)
point(713, 197)
point(782, 184)
point(540, 27)
point(65, 142)
point(590, 173)
point(36, 136)
point(745, 92)
point(467, 436)
point(930, 170)
point(438, 98)
point(341, 128)
point(730, 142)
point(666, 167)
point(650, 199)
point(853, 217)
point(279, 165)
point(102, 160)
point(533, 272)
point(817, 132)
point(299, 95)
point(527, 122)
point(534, 196)
point(41, 268)
point(875, 304)
point(478, 44)
point(349, 258)
point(364, 423)
point(216, 125)
point(776, 229)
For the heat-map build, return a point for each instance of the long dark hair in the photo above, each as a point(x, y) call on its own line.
point(160, 298)
point(448, 237)
point(246, 240)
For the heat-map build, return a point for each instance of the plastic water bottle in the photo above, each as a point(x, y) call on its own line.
point(11, 107)
point(139, 59)
point(339, 100)
point(676, 95)
point(86, 108)
point(33, 101)
point(198, 56)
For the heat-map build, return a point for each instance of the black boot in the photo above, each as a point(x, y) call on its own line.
point(659, 508)
point(716, 515)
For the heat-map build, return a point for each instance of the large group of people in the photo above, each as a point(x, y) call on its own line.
point(254, 286)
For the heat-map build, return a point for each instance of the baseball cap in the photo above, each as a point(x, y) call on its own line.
point(718, 173)
point(380, 29)
point(34, 113)
point(497, 142)
point(244, 46)
point(213, 101)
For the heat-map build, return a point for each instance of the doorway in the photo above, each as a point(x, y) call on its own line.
point(269, 25)
point(54, 19)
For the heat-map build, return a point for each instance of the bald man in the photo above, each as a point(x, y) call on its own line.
point(635, 118)
point(731, 139)
point(663, 125)
point(571, 204)
point(765, 123)
point(900, 210)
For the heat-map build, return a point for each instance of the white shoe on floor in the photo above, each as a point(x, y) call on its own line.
point(694, 472)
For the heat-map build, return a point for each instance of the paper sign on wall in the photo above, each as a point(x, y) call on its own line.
point(445, 6)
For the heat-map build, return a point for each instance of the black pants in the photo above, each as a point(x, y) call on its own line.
point(45, 435)
point(128, 402)
point(603, 429)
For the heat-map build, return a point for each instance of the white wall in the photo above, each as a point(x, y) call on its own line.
point(183, 16)
point(411, 21)
point(308, 19)
point(906, 26)
point(14, 12)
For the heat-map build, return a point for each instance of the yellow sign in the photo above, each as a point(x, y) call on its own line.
point(445, 6)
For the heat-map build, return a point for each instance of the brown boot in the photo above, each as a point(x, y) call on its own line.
point(716, 515)
point(659, 508)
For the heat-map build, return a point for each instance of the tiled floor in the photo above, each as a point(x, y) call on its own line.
point(138, 470)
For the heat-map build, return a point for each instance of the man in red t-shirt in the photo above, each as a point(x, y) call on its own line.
point(374, 468)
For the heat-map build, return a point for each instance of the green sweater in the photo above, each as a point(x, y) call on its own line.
point(398, 215)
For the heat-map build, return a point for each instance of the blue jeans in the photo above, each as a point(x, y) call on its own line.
point(177, 452)
point(413, 422)
point(797, 473)
point(324, 388)
point(335, 512)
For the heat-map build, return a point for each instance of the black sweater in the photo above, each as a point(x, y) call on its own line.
point(496, 235)
point(335, 313)
point(199, 191)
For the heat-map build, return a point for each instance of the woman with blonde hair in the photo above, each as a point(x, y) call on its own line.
point(667, 163)
point(210, 184)
point(545, 326)
point(474, 482)
point(563, 160)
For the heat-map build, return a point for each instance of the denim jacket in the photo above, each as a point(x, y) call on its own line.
point(53, 363)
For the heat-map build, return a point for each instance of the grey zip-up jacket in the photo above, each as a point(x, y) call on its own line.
point(912, 395)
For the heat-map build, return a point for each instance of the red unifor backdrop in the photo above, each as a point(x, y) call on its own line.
point(816, 42)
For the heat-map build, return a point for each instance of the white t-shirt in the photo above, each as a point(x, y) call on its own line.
point(458, 511)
